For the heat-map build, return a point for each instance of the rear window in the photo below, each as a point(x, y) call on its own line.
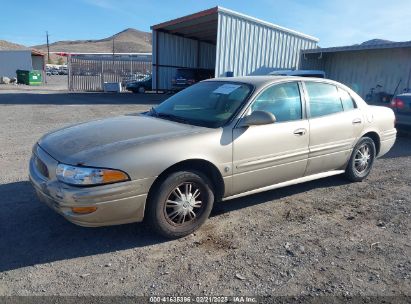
point(346, 99)
point(205, 74)
point(187, 74)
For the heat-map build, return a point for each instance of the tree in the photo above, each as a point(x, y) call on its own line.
point(60, 61)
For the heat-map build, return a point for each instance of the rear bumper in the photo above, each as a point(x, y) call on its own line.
point(387, 140)
point(116, 203)
point(403, 119)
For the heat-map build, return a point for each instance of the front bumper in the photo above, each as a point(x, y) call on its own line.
point(118, 203)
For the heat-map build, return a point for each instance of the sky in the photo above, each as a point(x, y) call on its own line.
point(334, 22)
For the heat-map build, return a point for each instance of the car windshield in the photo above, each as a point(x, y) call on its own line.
point(208, 104)
point(144, 78)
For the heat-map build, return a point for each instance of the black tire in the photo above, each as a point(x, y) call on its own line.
point(141, 90)
point(162, 217)
point(357, 170)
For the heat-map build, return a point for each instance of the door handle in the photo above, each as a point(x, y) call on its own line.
point(300, 132)
point(356, 121)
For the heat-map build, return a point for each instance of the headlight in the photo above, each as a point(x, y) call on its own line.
point(84, 176)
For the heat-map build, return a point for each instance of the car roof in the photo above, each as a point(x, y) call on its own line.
point(262, 81)
point(297, 72)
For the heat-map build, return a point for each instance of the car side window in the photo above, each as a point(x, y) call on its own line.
point(324, 99)
point(346, 99)
point(282, 100)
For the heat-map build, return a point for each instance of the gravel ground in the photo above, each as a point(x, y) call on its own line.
point(53, 83)
point(326, 237)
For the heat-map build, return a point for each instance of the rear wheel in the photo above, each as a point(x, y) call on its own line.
point(361, 160)
point(180, 204)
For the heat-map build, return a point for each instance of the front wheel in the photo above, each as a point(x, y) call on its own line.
point(180, 204)
point(141, 90)
point(361, 160)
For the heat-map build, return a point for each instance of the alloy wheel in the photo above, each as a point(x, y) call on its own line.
point(362, 158)
point(184, 204)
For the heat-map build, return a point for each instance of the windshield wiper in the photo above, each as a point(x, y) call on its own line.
point(172, 117)
point(153, 112)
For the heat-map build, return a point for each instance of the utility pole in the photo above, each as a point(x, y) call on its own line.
point(48, 47)
point(113, 50)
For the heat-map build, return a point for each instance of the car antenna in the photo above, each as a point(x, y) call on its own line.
point(396, 88)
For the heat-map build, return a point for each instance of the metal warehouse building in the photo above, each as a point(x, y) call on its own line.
point(365, 66)
point(225, 41)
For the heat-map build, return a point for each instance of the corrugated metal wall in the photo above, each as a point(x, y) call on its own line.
point(247, 47)
point(175, 51)
point(363, 70)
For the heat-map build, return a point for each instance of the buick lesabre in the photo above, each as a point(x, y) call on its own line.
point(216, 140)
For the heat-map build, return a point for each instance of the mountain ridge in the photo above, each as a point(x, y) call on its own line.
point(127, 41)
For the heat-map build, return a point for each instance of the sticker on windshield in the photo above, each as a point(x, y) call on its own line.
point(226, 88)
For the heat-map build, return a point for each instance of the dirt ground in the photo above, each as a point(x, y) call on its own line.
point(326, 237)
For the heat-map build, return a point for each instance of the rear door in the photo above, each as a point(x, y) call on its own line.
point(264, 155)
point(335, 125)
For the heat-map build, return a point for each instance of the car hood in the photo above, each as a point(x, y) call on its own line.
point(79, 144)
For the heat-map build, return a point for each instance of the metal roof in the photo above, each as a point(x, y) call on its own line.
point(269, 24)
point(34, 52)
point(204, 25)
point(199, 26)
point(359, 47)
point(37, 53)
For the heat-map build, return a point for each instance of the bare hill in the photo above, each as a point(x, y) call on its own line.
point(6, 45)
point(127, 41)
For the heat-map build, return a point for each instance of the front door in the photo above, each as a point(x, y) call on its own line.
point(264, 155)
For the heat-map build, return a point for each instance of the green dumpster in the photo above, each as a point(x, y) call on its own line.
point(29, 77)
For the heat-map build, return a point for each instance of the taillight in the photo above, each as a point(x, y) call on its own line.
point(397, 103)
point(400, 104)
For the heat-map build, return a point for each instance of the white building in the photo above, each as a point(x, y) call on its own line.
point(13, 60)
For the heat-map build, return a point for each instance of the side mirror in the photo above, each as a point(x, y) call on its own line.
point(258, 118)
